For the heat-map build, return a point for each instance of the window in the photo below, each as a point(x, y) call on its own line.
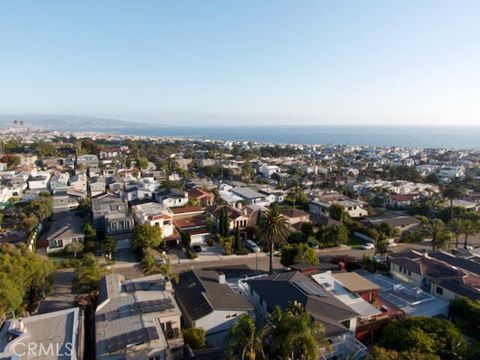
point(439, 290)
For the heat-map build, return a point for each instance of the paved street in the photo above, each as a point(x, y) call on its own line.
point(62, 295)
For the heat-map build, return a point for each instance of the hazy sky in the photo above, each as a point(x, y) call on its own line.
point(247, 61)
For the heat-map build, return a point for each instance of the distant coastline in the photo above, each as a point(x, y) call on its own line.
point(421, 136)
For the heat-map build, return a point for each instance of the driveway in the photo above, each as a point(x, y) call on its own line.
point(62, 296)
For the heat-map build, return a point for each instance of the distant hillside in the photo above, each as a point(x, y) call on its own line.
point(68, 122)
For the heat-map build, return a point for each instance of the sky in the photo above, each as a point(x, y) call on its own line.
point(244, 62)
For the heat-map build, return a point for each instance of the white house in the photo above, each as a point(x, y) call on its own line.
point(39, 181)
point(207, 301)
point(154, 214)
point(269, 170)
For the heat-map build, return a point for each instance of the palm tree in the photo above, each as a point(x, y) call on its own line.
point(471, 227)
point(436, 229)
point(244, 342)
point(293, 334)
point(451, 192)
point(457, 227)
point(274, 230)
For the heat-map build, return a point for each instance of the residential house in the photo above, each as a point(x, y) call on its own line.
point(97, 186)
point(58, 331)
point(295, 216)
point(203, 197)
point(136, 319)
point(59, 183)
point(111, 215)
point(65, 228)
point(39, 181)
point(283, 289)
point(436, 274)
point(171, 197)
point(192, 220)
point(410, 299)
point(207, 301)
point(236, 218)
point(249, 196)
point(62, 203)
point(354, 208)
point(88, 160)
point(269, 170)
point(400, 222)
point(401, 201)
point(361, 295)
point(154, 214)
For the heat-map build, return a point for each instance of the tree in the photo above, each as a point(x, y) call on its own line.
point(441, 238)
point(146, 237)
point(457, 227)
point(379, 353)
point(89, 272)
point(381, 244)
point(274, 231)
point(470, 227)
point(298, 254)
point(194, 337)
point(12, 161)
point(465, 313)
point(293, 334)
point(74, 247)
point(334, 234)
point(244, 341)
point(224, 223)
point(425, 335)
point(11, 296)
point(109, 245)
point(338, 212)
point(452, 192)
point(237, 243)
point(25, 279)
point(186, 239)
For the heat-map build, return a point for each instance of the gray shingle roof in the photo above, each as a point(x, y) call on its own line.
point(284, 288)
point(200, 294)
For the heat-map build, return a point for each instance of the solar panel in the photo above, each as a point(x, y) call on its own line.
point(135, 337)
point(310, 289)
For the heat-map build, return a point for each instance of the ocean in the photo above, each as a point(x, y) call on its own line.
point(427, 137)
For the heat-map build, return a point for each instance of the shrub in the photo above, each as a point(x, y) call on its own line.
point(194, 337)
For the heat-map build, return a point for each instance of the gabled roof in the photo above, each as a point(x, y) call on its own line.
point(285, 288)
point(200, 294)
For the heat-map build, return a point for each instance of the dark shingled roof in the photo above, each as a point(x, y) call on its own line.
point(200, 293)
point(285, 288)
point(461, 263)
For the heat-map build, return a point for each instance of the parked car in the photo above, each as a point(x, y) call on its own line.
point(313, 244)
point(197, 248)
point(367, 246)
point(252, 246)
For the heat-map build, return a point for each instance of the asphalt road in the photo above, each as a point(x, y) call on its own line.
point(62, 295)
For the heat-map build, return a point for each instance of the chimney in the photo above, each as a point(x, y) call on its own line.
point(221, 277)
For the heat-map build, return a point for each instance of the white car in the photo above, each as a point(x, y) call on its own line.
point(367, 246)
point(252, 246)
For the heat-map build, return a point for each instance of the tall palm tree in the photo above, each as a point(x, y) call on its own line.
point(436, 229)
point(452, 192)
point(470, 227)
point(244, 342)
point(293, 334)
point(457, 226)
point(274, 230)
